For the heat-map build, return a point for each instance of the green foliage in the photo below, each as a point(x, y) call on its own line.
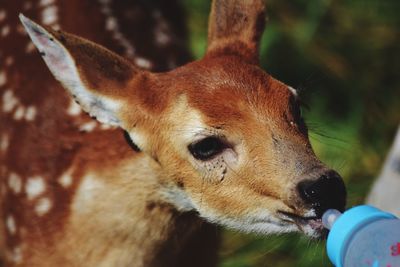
point(345, 58)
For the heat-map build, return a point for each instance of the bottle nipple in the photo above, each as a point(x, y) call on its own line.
point(329, 217)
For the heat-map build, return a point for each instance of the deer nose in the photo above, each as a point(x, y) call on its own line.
point(327, 192)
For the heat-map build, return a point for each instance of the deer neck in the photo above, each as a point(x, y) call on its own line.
point(120, 220)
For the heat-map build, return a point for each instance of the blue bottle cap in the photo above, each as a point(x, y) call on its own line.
point(347, 224)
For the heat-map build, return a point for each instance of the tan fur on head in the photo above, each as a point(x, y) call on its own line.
point(248, 183)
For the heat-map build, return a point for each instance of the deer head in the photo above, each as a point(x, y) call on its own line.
point(228, 139)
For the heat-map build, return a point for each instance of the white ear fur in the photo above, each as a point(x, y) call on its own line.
point(63, 67)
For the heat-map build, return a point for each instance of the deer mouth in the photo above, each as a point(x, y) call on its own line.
point(309, 225)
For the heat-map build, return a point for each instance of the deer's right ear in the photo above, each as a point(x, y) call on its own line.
point(93, 75)
point(235, 27)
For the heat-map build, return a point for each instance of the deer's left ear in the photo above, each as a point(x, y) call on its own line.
point(93, 75)
point(235, 27)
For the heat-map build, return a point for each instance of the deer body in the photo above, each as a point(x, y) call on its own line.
point(51, 168)
point(74, 193)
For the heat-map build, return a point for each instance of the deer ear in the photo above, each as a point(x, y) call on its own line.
point(235, 27)
point(93, 75)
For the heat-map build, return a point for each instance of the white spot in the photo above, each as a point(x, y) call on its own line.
point(112, 25)
point(17, 255)
point(5, 142)
point(19, 113)
point(142, 62)
point(9, 101)
point(49, 15)
point(46, 2)
point(88, 126)
point(11, 226)
point(15, 183)
point(162, 38)
point(66, 178)
point(9, 61)
point(34, 187)
point(43, 206)
point(161, 32)
point(3, 15)
point(74, 109)
point(30, 47)
point(30, 113)
point(5, 31)
point(3, 78)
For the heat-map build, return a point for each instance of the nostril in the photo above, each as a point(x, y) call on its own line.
point(307, 191)
point(327, 192)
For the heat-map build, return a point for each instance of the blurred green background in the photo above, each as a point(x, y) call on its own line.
point(344, 57)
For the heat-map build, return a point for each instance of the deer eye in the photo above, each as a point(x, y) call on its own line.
point(207, 148)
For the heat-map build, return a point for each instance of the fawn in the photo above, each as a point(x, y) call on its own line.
point(217, 141)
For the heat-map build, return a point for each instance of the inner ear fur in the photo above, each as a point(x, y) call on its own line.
point(235, 27)
point(99, 68)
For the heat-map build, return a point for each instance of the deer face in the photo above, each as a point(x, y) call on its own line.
point(238, 152)
point(228, 138)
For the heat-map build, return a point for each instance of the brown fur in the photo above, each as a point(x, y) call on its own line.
point(235, 27)
point(117, 211)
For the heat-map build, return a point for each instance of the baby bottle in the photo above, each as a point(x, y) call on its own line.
point(363, 236)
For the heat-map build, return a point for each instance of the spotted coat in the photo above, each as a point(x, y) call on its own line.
point(46, 141)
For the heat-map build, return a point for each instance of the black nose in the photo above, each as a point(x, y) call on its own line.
point(327, 192)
